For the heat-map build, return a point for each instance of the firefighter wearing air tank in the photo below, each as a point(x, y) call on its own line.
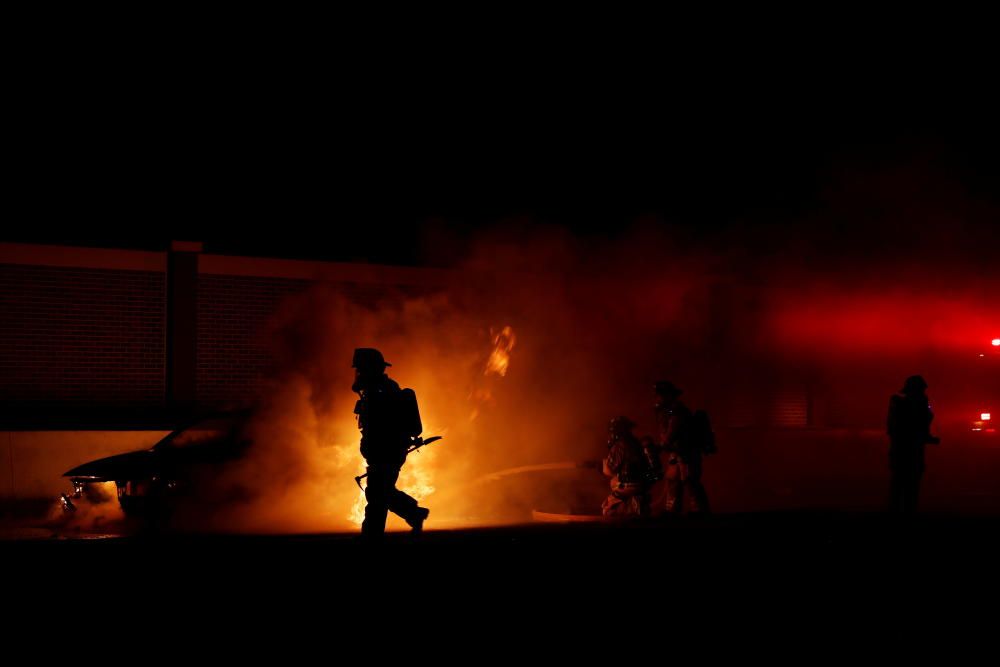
point(633, 468)
point(389, 421)
point(684, 437)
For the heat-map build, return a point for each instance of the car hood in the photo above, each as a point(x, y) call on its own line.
point(133, 465)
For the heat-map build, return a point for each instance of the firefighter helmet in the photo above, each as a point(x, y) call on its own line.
point(369, 357)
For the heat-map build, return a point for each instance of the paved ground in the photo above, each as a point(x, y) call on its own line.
point(761, 580)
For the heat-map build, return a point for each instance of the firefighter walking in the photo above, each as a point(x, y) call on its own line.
point(389, 421)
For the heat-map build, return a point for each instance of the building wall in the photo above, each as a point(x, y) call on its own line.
point(233, 312)
point(237, 298)
point(86, 327)
point(80, 335)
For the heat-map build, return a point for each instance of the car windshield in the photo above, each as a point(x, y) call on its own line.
point(204, 431)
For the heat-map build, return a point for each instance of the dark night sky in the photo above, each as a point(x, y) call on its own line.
point(344, 156)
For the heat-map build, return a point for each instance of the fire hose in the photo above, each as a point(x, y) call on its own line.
point(417, 444)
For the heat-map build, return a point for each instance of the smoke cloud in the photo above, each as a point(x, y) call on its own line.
point(590, 323)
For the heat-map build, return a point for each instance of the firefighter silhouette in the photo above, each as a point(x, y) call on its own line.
point(389, 421)
point(909, 427)
point(678, 437)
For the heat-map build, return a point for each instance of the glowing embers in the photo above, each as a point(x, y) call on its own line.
point(503, 344)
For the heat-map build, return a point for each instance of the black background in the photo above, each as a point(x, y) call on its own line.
point(349, 137)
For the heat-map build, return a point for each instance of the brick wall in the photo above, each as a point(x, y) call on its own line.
point(81, 336)
point(83, 331)
point(232, 316)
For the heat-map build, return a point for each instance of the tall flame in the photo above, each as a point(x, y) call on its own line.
point(497, 364)
point(503, 342)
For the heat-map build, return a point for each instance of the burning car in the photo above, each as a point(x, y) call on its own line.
point(149, 481)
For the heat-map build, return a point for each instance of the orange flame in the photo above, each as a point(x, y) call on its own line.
point(497, 364)
point(357, 515)
point(415, 478)
point(415, 481)
point(499, 360)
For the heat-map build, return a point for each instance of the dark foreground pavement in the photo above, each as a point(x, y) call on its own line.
point(754, 583)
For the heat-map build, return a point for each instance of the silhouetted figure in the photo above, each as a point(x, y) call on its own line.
point(909, 428)
point(633, 468)
point(678, 439)
point(389, 420)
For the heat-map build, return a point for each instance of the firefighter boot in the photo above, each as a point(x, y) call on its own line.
point(417, 520)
